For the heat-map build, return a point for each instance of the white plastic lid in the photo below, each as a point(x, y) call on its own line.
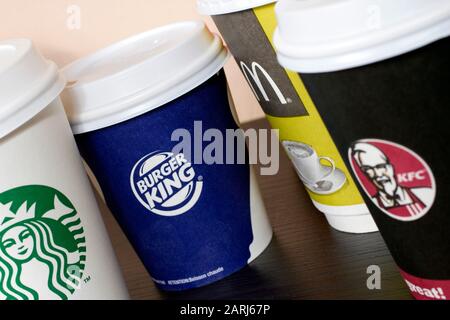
point(214, 7)
point(28, 83)
point(329, 35)
point(139, 74)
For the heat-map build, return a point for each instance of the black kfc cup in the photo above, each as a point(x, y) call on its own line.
point(377, 72)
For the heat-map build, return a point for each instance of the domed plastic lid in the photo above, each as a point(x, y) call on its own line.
point(328, 35)
point(214, 7)
point(139, 74)
point(28, 83)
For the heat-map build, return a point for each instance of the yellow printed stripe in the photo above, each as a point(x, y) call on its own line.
point(309, 129)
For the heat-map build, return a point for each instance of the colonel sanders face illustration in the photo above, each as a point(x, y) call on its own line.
point(376, 167)
point(397, 180)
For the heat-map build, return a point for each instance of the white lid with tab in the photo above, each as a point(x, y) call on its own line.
point(329, 35)
point(215, 7)
point(28, 83)
point(139, 74)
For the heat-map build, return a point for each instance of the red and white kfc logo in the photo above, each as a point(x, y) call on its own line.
point(398, 181)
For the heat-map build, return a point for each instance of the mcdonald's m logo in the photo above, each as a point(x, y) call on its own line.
point(270, 94)
point(253, 72)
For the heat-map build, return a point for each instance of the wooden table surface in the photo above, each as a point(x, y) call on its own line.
point(306, 259)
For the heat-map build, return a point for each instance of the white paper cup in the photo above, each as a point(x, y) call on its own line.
point(53, 244)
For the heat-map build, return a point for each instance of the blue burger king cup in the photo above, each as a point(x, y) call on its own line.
point(191, 223)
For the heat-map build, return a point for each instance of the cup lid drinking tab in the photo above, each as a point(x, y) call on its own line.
point(329, 35)
point(139, 74)
point(215, 7)
point(28, 83)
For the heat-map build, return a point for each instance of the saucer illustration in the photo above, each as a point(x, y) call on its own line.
point(316, 176)
point(332, 183)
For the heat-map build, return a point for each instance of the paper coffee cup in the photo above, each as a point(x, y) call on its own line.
point(375, 71)
point(247, 27)
point(53, 241)
point(191, 223)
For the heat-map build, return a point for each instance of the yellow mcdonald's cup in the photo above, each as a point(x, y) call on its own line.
point(247, 27)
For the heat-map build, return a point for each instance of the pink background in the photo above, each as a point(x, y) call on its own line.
point(50, 24)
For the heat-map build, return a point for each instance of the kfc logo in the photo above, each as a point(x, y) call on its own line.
point(398, 181)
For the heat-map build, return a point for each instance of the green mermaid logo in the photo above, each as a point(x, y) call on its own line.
point(42, 245)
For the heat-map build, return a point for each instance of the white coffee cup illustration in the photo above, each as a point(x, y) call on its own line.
point(308, 164)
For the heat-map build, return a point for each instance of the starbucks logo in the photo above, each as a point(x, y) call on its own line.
point(42, 244)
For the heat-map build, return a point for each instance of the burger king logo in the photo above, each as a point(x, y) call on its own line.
point(165, 183)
